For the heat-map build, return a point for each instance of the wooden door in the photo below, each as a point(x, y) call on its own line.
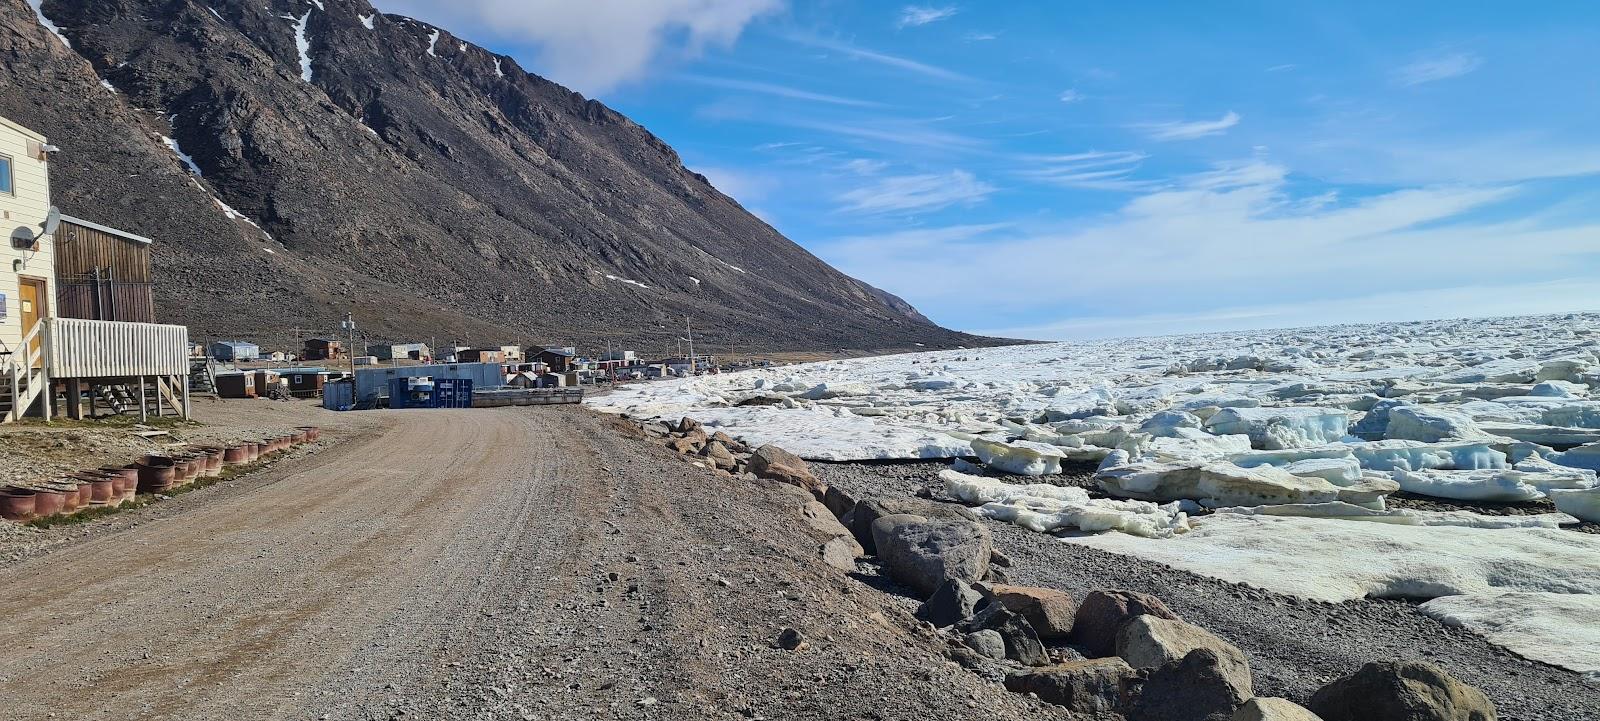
point(32, 298)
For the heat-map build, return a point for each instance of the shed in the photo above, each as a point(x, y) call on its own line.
point(305, 382)
point(265, 380)
point(398, 351)
point(103, 273)
point(236, 385)
point(235, 350)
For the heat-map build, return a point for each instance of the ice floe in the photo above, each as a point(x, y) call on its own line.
point(1043, 507)
point(1562, 629)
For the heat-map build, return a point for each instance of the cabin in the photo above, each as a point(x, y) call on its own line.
point(237, 384)
point(95, 337)
point(322, 349)
point(481, 355)
point(235, 350)
point(559, 360)
point(398, 351)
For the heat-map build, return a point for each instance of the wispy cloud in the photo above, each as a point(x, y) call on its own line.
point(1070, 96)
point(919, 15)
point(782, 91)
point(1430, 70)
point(740, 185)
point(864, 166)
point(1189, 130)
point(1228, 226)
point(1282, 68)
point(904, 193)
point(1093, 170)
point(892, 61)
point(896, 132)
point(980, 37)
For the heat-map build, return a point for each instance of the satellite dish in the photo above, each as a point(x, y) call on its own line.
point(52, 221)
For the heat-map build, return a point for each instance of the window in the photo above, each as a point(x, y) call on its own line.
point(5, 175)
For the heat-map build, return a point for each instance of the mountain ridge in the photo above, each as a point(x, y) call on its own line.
point(434, 187)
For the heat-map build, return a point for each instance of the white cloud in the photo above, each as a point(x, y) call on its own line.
point(892, 61)
point(981, 37)
point(1229, 241)
point(740, 185)
point(919, 15)
point(905, 193)
point(596, 45)
point(782, 91)
point(1070, 96)
point(1183, 130)
point(1444, 67)
point(865, 166)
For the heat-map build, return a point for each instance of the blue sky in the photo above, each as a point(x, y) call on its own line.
point(1069, 170)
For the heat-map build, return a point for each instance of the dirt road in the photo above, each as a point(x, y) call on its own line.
point(513, 563)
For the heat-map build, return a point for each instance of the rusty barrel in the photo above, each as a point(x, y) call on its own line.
point(312, 433)
point(102, 486)
point(236, 454)
point(157, 473)
point(17, 504)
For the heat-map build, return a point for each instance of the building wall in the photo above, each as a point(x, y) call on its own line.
point(126, 293)
point(26, 205)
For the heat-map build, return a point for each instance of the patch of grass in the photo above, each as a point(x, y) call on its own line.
point(164, 422)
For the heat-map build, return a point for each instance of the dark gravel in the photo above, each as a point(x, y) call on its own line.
point(1295, 645)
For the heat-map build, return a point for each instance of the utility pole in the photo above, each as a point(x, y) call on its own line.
point(350, 325)
point(690, 330)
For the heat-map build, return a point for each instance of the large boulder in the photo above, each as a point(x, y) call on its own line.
point(1151, 641)
point(1050, 612)
point(1101, 616)
point(718, 455)
point(838, 501)
point(1273, 709)
point(1022, 644)
point(1198, 687)
point(1402, 691)
point(954, 602)
point(866, 510)
point(774, 463)
point(923, 554)
point(987, 642)
point(1095, 686)
point(840, 553)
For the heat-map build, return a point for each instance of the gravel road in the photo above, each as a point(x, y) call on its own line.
point(1295, 646)
point(535, 563)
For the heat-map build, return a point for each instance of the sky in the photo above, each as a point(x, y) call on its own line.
point(1063, 170)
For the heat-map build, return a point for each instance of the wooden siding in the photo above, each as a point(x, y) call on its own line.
point(129, 302)
point(80, 250)
point(78, 348)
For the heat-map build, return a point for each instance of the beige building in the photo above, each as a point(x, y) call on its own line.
point(27, 261)
point(47, 357)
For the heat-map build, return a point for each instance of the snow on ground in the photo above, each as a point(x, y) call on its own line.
point(48, 25)
point(188, 160)
point(302, 43)
point(625, 280)
point(1298, 435)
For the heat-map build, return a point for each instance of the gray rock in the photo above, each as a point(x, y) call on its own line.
point(840, 553)
point(719, 455)
point(1102, 614)
point(1199, 687)
point(1150, 641)
point(687, 425)
point(1402, 691)
point(922, 553)
point(987, 642)
point(1273, 709)
point(791, 640)
point(954, 602)
point(866, 510)
point(1094, 686)
point(1022, 644)
point(838, 501)
point(1050, 612)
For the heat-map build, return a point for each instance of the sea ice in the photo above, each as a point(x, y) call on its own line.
point(1431, 424)
point(1225, 484)
point(1282, 427)
point(1561, 629)
point(1583, 503)
point(1044, 508)
point(1024, 458)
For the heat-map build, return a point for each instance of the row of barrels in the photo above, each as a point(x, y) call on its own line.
point(112, 486)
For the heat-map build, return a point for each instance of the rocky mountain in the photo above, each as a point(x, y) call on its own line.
point(299, 159)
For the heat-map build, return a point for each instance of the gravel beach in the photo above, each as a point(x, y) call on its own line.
point(1295, 646)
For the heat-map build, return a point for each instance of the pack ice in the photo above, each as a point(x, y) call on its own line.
point(1295, 438)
